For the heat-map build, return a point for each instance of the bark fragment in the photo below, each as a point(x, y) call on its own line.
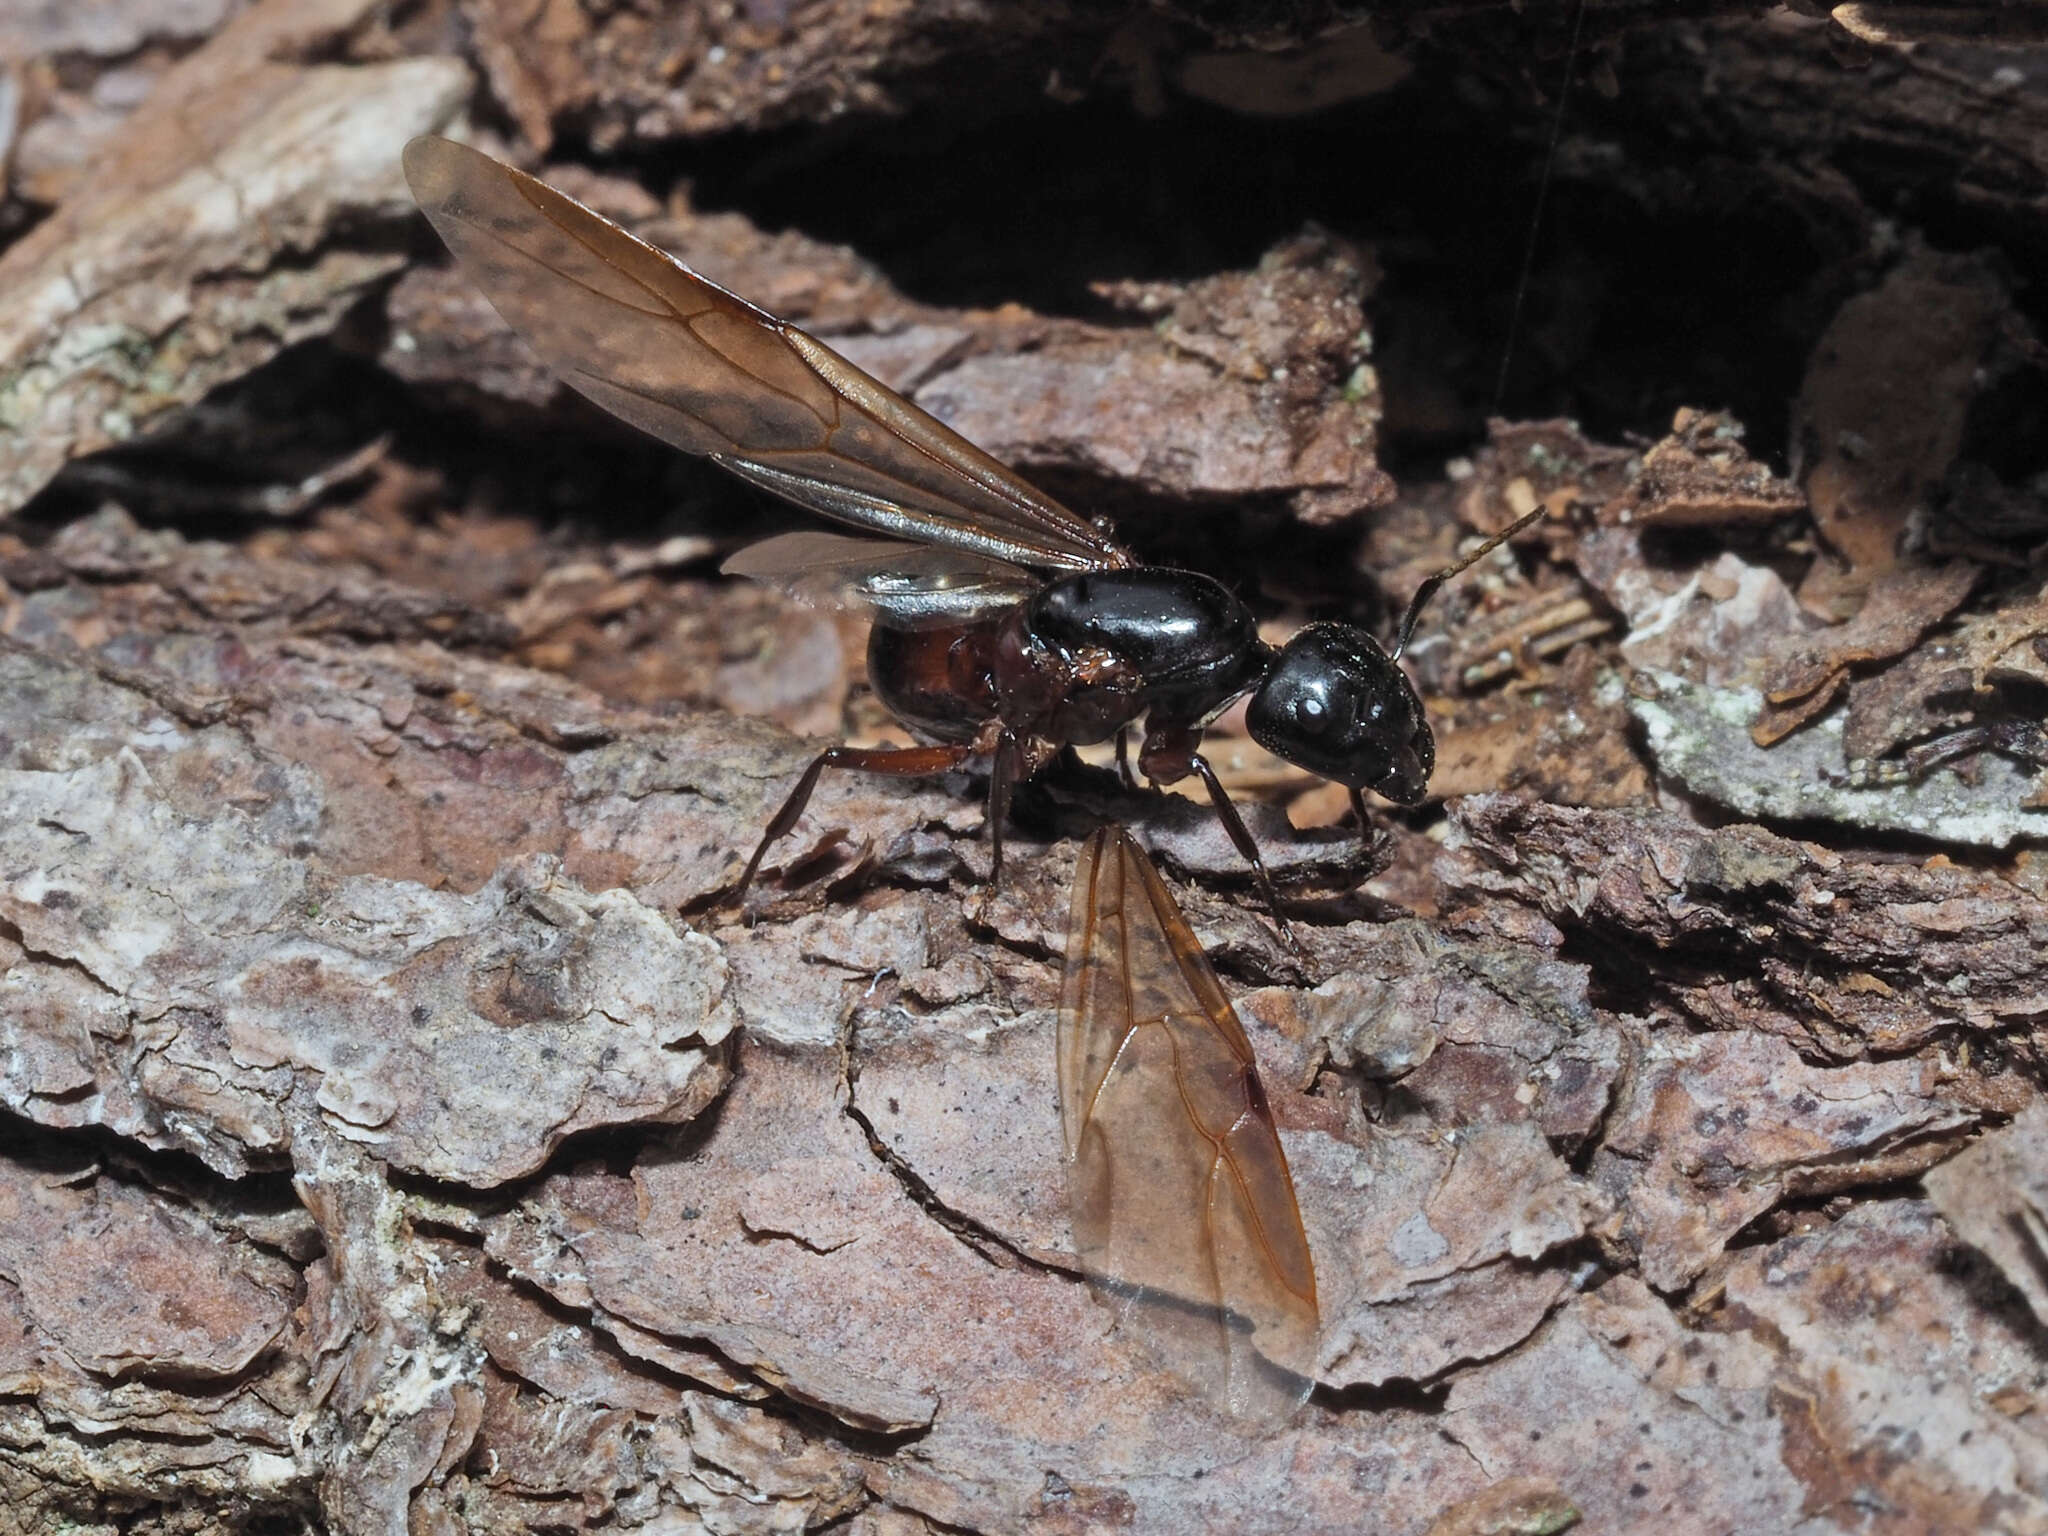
point(1713, 1137)
point(1701, 476)
point(1903, 604)
point(1846, 957)
point(1883, 408)
point(1990, 1195)
point(1704, 741)
point(197, 251)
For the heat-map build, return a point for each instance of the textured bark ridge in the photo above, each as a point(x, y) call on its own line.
point(397, 1131)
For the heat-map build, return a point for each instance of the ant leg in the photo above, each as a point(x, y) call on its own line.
point(1123, 758)
point(1358, 810)
point(1241, 835)
point(897, 762)
point(1001, 776)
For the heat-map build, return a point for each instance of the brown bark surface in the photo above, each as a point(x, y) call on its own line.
point(400, 1133)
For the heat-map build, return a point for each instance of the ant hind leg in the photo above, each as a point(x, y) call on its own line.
point(895, 762)
point(1002, 777)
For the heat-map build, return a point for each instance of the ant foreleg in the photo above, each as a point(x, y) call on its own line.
point(1241, 835)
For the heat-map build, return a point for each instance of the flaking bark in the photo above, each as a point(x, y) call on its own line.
point(401, 1136)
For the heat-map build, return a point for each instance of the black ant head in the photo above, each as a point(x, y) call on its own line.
point(1337, 705)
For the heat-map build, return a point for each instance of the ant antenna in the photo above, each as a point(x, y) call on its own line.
point(1429, 588)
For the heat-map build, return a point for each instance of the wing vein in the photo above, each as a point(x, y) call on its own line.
point(1184, 1210)
point(676, 355)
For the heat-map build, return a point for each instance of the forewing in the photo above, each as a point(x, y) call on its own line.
point(1184, 1212)
point(679, 357)
point(905, 586)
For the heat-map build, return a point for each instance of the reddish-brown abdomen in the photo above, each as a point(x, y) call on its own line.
point(938, 682)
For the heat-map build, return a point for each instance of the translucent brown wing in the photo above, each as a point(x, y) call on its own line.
point(1184, 1212)
point(905, 586)
point(679, 357)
